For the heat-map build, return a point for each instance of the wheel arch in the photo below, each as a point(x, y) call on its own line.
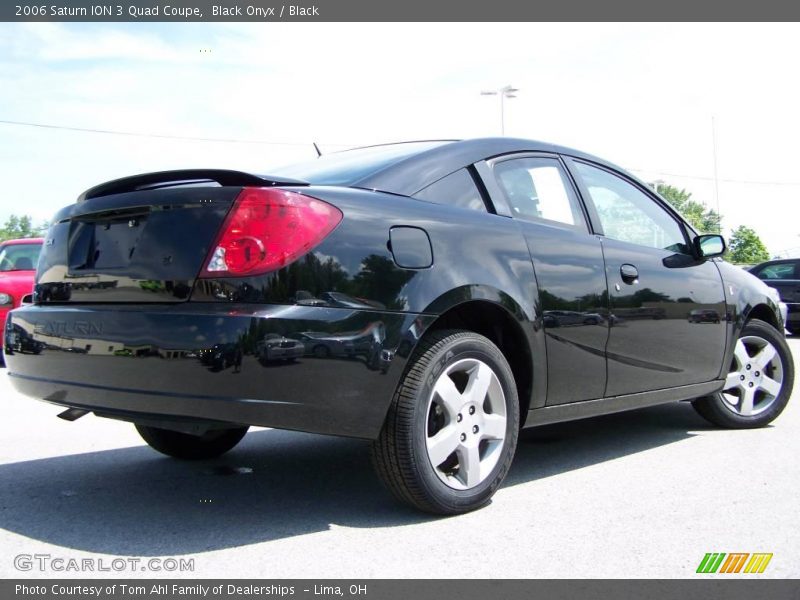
point(763, 313)
point(502, 321)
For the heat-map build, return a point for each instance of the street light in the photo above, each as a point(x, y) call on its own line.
point(503, 92)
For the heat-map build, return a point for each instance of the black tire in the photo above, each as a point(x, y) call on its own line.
point(321, 351)
point(400, 454)
point(211, 444)
point(715, 408)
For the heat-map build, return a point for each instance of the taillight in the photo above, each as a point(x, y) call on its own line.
point(267, 229)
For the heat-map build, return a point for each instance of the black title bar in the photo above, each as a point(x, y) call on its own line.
point(399, 10)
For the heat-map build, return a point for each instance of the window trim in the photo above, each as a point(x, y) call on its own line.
point(569, 184)
point(683, 226)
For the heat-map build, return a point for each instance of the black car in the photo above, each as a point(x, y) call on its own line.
point(458, 252)
point(784, 276)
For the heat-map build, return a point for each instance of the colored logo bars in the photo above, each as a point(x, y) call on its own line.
point(716, 562)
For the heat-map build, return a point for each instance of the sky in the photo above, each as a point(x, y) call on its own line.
point(640, 95)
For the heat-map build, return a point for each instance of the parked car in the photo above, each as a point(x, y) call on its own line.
point(323, 345)
point(18, 260)
point(704, 315)
point(18, 340)
point(221, 356)
point(568, 318)
point(784, 276)
point(466, 244)
point(277, 347)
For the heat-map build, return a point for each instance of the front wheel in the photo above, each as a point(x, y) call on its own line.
point(451, 430)
point(211, 444)
point(758, 384)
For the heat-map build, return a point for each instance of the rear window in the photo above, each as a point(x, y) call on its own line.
point(350, 166)
point(19, 257)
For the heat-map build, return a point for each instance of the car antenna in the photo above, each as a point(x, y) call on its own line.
point(319, 153)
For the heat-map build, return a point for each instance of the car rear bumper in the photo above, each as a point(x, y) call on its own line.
point(145, 363)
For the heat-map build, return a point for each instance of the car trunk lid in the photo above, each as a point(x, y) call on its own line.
point(138, 239)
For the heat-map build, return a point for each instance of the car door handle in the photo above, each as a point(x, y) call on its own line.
point(629, 274)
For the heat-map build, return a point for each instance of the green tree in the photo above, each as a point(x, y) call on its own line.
point(19, 227)
point(702, 218)
point(745, 247)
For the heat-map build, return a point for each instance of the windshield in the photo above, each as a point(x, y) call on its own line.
point(350, 166)
point(19, 257)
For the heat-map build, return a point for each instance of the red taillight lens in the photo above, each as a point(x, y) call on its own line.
point(267, 229)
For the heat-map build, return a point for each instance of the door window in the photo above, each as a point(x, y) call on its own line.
point(537, 189)
point(628, 214)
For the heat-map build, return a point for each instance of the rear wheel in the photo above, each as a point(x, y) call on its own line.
point(451, 431)
point(211, 444)
point(758, 384)
point(321, 351)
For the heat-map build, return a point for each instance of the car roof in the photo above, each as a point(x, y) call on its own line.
point(23, 241)
point(407, 167)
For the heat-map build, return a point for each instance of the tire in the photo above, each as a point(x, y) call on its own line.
point(211, 444)
point(757, 390)
point(321, 351)
point(436, 396)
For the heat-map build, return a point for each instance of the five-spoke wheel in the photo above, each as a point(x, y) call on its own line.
point(756, 377)
point(759, 380)
point(466, 423)
point(452, 428)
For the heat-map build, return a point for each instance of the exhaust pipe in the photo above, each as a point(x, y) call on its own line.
point(72, 414)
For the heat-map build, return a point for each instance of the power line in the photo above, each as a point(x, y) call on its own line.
point(305, 144)
point(159, 135)
point(700, 177)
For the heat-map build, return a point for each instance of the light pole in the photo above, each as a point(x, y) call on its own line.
point(504, 92)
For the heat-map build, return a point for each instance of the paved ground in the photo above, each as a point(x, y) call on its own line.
point(643, 494)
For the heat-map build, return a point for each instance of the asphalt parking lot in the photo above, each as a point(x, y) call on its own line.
point(641, 494)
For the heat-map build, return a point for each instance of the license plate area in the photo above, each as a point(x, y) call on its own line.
point(105, 242)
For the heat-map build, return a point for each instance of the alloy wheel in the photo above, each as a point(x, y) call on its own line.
point(755, 378)
point(466, 426)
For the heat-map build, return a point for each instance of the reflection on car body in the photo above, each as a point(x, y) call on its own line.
point(570, 318)
point(704, 315)
point(277, 347)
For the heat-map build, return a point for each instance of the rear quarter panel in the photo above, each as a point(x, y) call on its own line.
point(476, 256)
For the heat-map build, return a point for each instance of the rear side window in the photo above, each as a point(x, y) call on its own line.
point(457, 189)
point(779, 271)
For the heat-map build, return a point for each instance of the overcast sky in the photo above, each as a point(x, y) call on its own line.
point(642, 96)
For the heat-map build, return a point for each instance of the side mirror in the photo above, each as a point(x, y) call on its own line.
point(709, 246)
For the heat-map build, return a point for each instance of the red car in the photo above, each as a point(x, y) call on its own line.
point(18, 260)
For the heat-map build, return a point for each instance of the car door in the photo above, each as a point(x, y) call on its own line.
point(784, 276)
point(569, 269)
point(667, 308)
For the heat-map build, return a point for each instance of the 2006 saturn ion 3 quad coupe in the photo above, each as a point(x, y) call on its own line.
point(448, 265)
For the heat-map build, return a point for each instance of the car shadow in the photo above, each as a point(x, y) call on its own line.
point(276, 484)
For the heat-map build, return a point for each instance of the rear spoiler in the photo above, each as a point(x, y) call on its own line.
point(184, 177)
